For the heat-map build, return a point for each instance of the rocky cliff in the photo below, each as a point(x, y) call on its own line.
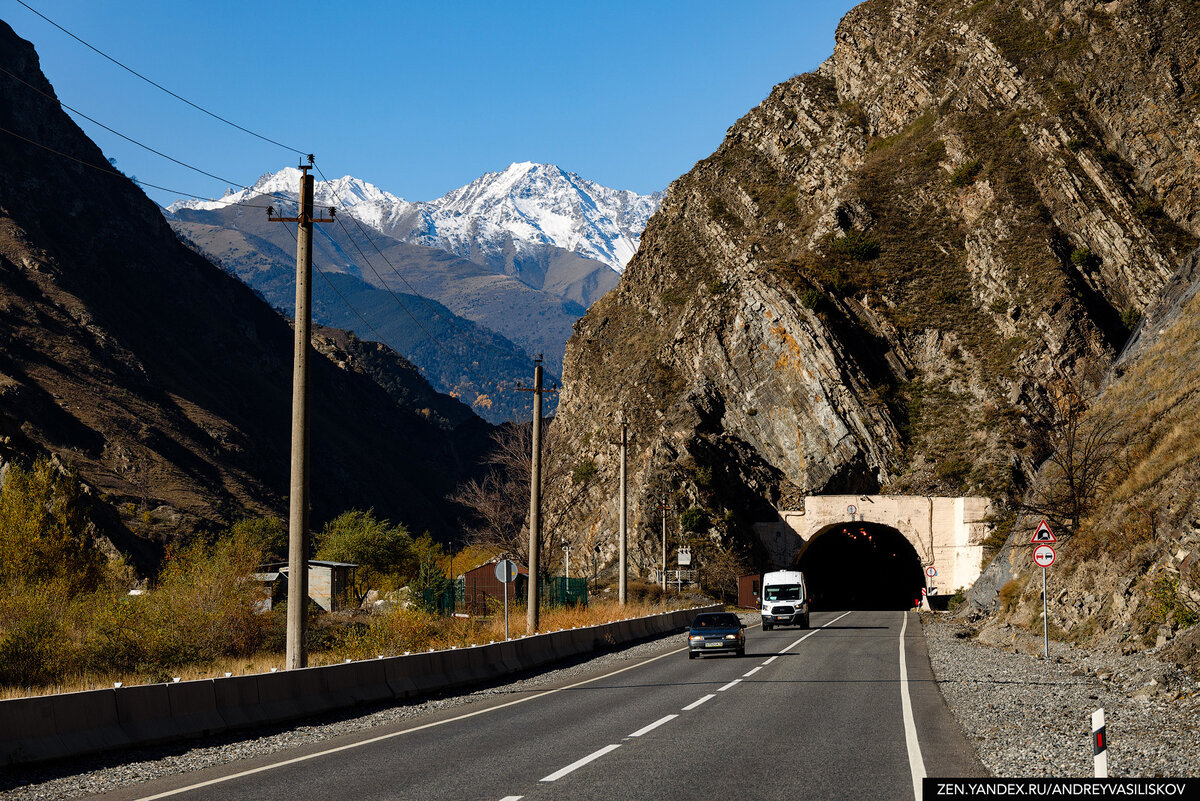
point(894, 265)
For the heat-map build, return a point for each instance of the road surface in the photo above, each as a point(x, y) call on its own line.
point(816, 714)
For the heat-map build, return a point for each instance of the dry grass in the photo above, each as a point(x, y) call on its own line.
point(392, 634)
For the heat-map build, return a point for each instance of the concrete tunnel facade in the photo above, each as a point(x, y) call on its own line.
point(945, 534)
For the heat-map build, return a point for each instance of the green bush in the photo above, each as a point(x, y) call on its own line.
point(966, 173)
point(694, 519)
point(856, 246)
point(385, 553)
point(1084, 258)
point(45, 532)
point(584, 472)
point(811, 298)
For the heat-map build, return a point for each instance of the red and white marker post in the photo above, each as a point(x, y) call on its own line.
point(1044, 555)
point(1099, 744)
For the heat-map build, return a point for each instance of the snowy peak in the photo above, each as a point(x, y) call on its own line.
point(345, 192)
point(544, 204)
point(522, 210)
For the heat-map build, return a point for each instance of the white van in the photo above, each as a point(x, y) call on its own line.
point(784, 599)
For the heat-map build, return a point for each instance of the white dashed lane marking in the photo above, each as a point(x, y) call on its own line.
point(653, 725)
point(695, 704)
point(579, 763)
point(730, 684)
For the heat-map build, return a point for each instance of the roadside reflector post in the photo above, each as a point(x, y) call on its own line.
point(1099, 744)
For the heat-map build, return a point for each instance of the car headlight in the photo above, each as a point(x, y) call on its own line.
point(731, 636)
point(696, 637)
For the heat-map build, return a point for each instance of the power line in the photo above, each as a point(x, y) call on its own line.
point(110, 170)
point(399, 275)
point(118, 133)
point(158, 85)
point(349, 305)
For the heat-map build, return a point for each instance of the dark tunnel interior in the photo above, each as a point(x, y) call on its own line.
point(862, 566)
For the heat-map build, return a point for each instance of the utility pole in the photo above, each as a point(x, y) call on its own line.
point(663, 507)
point(622, 515)
point(535, 496)
point(297, 656)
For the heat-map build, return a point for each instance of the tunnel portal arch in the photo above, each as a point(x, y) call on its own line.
point(947, 533)
point(861, 565)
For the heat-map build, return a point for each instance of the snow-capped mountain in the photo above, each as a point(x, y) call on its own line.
point(510, 221)
point(345, 192)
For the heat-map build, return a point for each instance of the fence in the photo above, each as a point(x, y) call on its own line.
point(554, 591)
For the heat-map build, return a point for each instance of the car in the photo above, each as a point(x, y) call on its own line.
point(715, 633)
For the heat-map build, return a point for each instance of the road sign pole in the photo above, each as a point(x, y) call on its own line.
point(1045, 616)
point(506, 611)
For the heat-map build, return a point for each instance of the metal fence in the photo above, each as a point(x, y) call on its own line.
point(553, 591)
point(560, 591)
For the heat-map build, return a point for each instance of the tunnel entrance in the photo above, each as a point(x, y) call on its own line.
point(861, 566)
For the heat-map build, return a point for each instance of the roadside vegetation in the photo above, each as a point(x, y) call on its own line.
point(73, 617)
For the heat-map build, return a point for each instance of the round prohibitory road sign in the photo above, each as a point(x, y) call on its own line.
point(1043, 555)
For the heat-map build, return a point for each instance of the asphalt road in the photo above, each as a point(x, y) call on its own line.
point(804, 715)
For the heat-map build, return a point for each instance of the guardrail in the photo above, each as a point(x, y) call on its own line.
point(73, 724)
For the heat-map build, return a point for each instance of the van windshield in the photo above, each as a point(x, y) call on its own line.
point(782, 592)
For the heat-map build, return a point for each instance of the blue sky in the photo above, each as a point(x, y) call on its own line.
point(422, 98)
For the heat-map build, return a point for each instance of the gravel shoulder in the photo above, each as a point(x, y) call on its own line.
point(1031, 717)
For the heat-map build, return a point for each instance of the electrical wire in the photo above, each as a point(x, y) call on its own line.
point(110, 170)
point(399, 275)
point(349, 305)
point(142, 145)
point(158, 85)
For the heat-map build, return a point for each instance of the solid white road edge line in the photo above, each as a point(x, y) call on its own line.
point(381, 737)
point(653, 726)
point(751, 672)
point(695, 704)
point(814, 631)
point(730, 684)
point(579, 763)
point(915, 763)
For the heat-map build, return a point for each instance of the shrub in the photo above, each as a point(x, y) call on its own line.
point(1084, 258)
point(584, 472)
point(966, 173)
point(856, 246)
point(384, 552)
point(45, 529)
point(1130, 317)
point(694, 519)
point(811, 298)
point(1010, 593)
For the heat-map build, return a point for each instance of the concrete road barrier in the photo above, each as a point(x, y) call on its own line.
point(72, 724)
point(27, 731)
point(144, 714)
point(194, 707)
point(87, 721)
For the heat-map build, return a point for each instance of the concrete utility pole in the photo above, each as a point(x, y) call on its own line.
point(535, 496)
point(622, 584)
point(297, 656)
point(663, 507)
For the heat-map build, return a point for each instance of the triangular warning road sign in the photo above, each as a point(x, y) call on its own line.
point(1043, 534)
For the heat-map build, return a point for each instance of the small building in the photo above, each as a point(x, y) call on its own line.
point(750, 591)
point(272, 586)
point(481, 588)
point(330, 584)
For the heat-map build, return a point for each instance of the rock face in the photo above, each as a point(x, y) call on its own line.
point(892, 265)
point(165, 382)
